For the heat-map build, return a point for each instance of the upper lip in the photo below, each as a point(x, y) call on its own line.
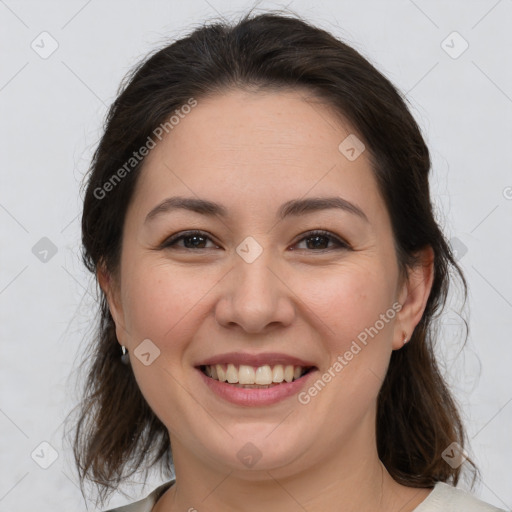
point(266, 358)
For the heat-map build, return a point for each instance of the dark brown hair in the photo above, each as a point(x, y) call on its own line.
point(117, 433)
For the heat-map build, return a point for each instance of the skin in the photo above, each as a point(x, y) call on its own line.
point(251, 152)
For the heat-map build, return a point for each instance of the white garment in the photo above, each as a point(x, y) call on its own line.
point(147, 503)
point(446, 498)
point(442, 498)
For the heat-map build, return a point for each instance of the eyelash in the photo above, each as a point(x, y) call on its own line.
point(170, 242)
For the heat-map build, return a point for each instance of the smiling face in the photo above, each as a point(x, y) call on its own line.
point(258, 281)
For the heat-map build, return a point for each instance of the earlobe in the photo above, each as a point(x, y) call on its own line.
point(414, 295)
point(108, 286)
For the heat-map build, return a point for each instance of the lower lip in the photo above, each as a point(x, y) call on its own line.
point(254, 396)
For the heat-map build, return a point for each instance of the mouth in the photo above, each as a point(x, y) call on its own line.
point(255, 380)
point(255, 377)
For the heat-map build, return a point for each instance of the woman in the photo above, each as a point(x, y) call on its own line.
point(258, 218)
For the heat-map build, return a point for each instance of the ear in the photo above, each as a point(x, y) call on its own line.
point(413, 296)
point(111, 289)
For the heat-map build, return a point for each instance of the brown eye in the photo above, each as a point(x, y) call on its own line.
point(319, 240)
point(316, 241)
point(191, 240)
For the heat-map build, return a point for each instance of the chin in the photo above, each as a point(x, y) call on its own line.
point(255, 449)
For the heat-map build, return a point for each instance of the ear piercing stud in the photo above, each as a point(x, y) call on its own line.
point(125, 357)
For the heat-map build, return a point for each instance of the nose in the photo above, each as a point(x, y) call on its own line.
point(255, 297)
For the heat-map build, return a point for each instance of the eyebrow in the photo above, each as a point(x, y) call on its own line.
point(295, 207)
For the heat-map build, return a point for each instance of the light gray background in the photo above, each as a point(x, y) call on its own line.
point(51, 115)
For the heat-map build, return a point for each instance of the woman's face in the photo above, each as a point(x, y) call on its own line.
point(256, 289)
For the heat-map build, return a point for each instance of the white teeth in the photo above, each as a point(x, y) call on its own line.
point(247, 375)
point(232, 374)
point(263, 375)
point(221, 374)
point(278, 373)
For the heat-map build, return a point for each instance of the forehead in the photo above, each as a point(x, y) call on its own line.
point(264, 145)
point(279, 124)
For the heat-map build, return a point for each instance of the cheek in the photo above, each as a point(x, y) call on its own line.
point(347, 301)
point(355, 307)
point(162, 303)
